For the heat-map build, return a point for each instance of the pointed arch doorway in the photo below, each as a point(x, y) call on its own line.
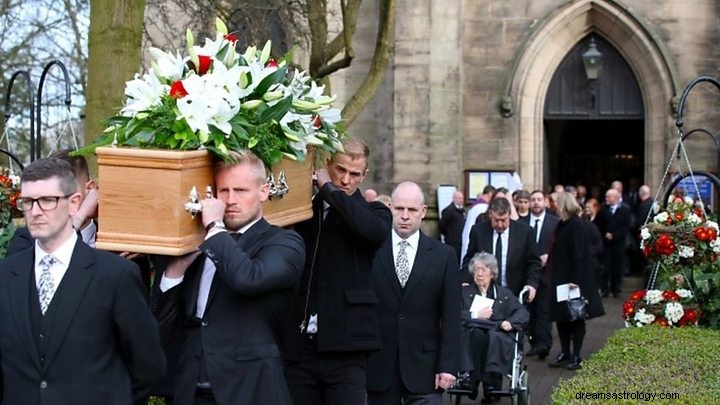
point(594, 129)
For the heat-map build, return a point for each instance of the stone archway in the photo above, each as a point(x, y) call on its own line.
point(546, 47)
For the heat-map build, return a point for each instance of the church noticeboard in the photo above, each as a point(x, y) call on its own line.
point(477, 179)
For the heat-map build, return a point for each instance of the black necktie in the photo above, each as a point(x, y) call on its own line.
point(536, 228)
point(498, 255)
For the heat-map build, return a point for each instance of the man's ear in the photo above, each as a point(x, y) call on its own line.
point(90, 184)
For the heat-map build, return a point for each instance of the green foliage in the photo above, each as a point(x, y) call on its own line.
point(6, 234)
point(651, 359)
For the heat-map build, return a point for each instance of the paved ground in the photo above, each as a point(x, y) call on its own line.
point(543, 379)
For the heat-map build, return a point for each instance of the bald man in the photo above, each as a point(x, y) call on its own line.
point(452, 221)
point(616, 223)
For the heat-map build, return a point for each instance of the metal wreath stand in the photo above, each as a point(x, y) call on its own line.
point(682, 158)
point(36, 114)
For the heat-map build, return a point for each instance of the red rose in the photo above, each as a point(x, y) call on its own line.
point(647, 250)
point(230, 37)
point(205, 62)
point(661, 321)
point(712, 233)
point(665, 245)
point(690, 317)
point(5, 181)
point(271, 63)
point(628, 308)
point(679, 216)
point(177, 90)
point(701, 233)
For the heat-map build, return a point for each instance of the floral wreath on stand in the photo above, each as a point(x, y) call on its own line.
point(9, 212)
point(217, 99)
point(683, 245)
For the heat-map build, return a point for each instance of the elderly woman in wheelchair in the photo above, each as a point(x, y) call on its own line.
point(491, 316)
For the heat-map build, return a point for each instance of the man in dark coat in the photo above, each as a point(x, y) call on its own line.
point(452, 222)
point(226, 305)
point(617, 220)
point(519, 263)
point(543, 225)
point(75, 324)
point(417, 283)
point(333, 323)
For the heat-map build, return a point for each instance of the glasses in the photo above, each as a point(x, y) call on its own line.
point(46, 203)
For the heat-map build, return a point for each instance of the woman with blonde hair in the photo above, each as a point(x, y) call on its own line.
point(570, 264)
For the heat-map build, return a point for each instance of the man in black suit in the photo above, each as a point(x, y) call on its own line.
point(518, 260)
point(617, 219)
point(229, 301)
point(543, 225)
point(452, 222)
point(75, 324)
point(333, 320)
point(417, 283)
point(83, 219)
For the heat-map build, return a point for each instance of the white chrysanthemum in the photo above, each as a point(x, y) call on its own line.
point(643, 318)
point(715, 245)
point(683, 293)
point(673, 312)
point(661, 218)
point(694, 219)
point(655, 207)
point(713, 225)
point(645, 234)
point(653, 297)
point(688, 199)
point(685, 251)
point(15, 179)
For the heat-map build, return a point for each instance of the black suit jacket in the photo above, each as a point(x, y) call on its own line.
point(340, 250)
point(104, 345)
point(545, 240)
point(523, 262)
point(451, 224)
point(419, 324)
point(237, 336)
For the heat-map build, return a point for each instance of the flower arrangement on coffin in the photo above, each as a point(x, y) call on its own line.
point(663, 307)
point(9, 192)
point(684, 244)
point(217, 99)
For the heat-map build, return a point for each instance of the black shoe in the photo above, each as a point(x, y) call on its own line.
point(575, 363)
point(489, 400)
point(561, 360)
point(543, 353)
point(534, 351)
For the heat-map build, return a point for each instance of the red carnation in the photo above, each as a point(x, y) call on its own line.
point(669, 295)
point(661, 321)
point(665, 245)
point(177, 90)
point(272, 63)
point(638, 295)
point(13, 199)
point(230, 37)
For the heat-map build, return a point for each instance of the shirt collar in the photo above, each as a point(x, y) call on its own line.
point(533, 217)
point(63, 253)
point(248, 226)
point(412, 240)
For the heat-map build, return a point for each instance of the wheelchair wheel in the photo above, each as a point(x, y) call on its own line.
point(521, 393)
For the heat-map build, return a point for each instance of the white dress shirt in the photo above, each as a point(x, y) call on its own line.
point(533, 218)
point(63, 254)
point(411, 249)
point(505, 239)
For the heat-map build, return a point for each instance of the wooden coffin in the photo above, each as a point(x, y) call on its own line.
point(143, 192)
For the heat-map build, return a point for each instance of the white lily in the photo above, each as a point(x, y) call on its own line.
point(143, 93)
point(167, 66)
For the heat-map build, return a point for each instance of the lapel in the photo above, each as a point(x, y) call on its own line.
point(386, 264)
point(75, 283)
point(19, 290)
point(420, 265)
point(247, 242)
point(486, 243)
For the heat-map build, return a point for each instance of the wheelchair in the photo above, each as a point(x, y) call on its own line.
point(517, 387)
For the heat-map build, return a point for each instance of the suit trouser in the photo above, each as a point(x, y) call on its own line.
point(540, 326)
point(326, 378)
point(397, 393)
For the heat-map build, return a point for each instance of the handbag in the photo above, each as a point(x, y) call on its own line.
point(577, 309)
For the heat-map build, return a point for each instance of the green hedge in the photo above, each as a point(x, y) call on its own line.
point(649, 360)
